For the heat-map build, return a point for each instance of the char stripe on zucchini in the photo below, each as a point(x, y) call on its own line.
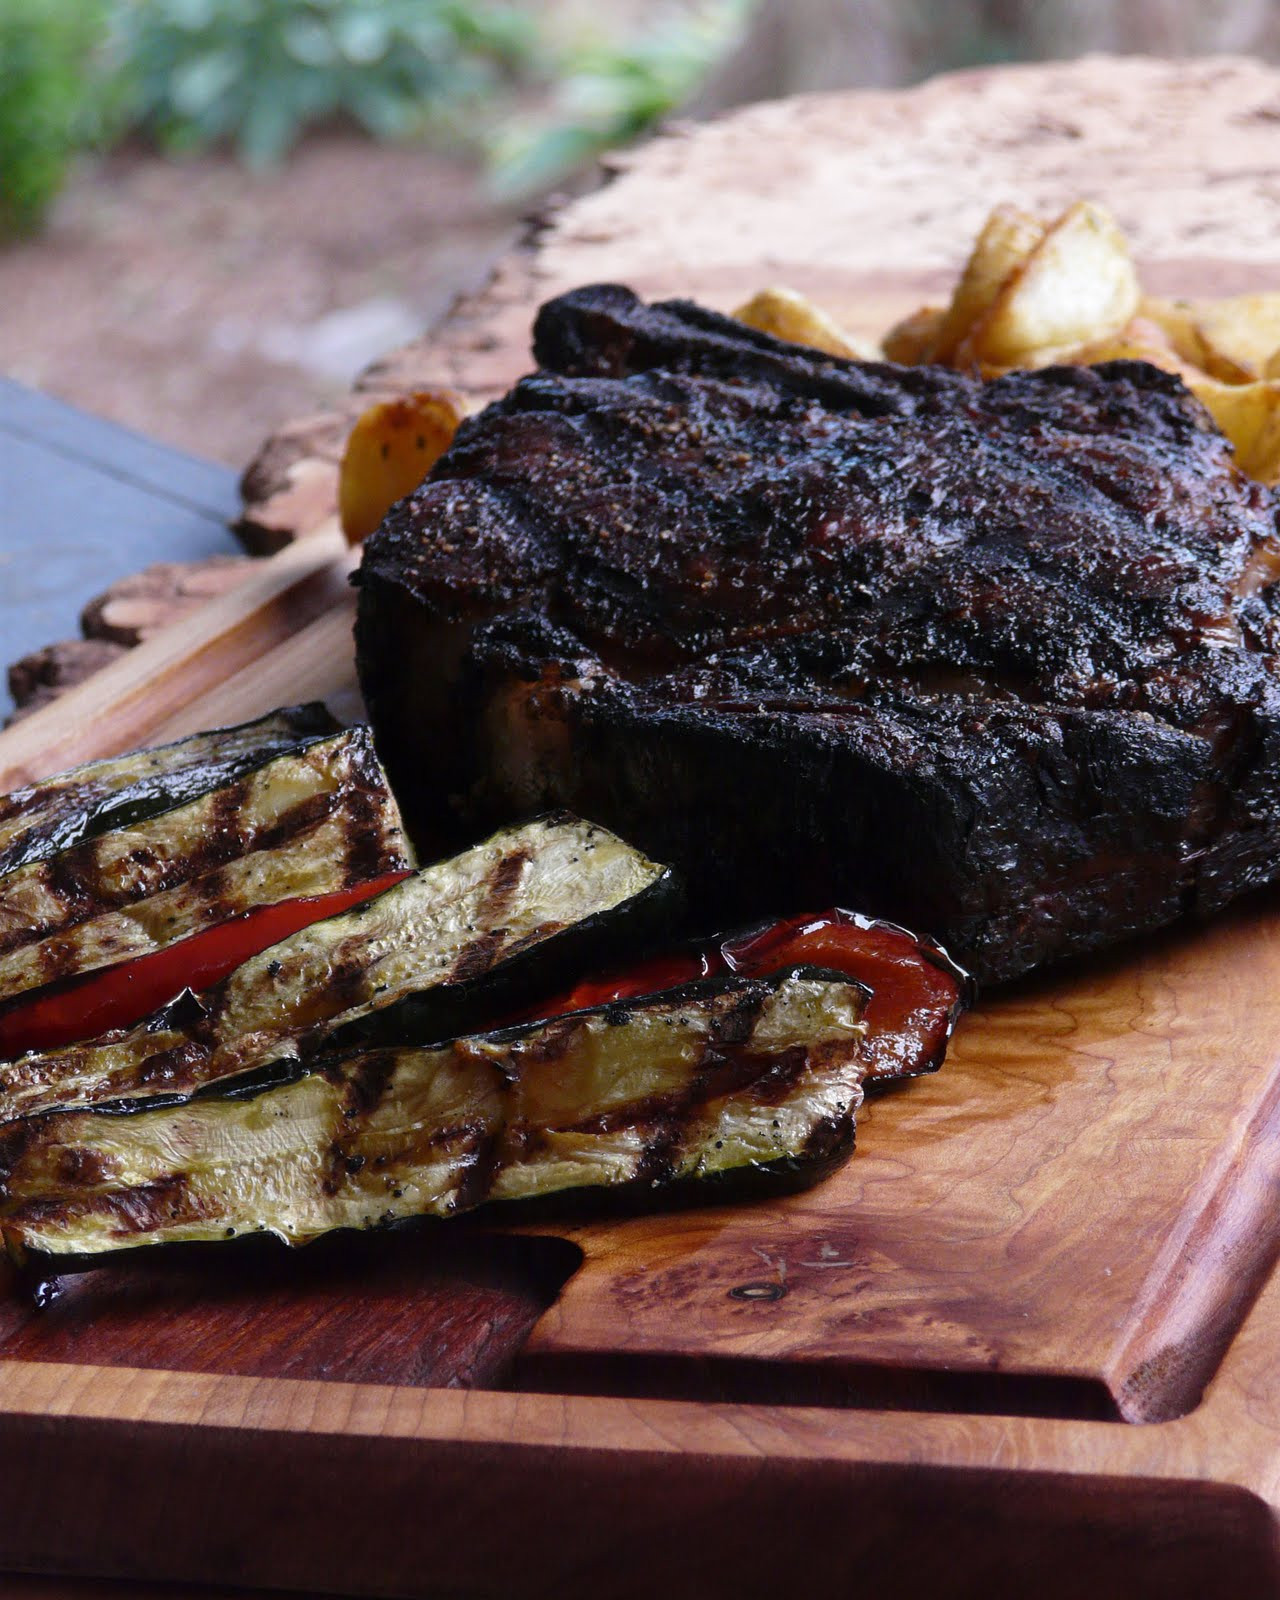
point(309, 822)
point(51, 816)
point(427, 959)
point(736, 1078)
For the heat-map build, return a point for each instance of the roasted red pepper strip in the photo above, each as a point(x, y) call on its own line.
point(116, 997)
point(917, 990)
point(647, 977)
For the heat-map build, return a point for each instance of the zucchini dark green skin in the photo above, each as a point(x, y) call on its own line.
point(314, 820)
point(722, 1083)
point(449, 928)
point(62, 811)
point(470, 1004)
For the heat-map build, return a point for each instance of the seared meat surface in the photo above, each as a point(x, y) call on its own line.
point(997, 659)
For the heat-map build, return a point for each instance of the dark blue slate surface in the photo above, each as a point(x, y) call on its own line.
point(84, 502)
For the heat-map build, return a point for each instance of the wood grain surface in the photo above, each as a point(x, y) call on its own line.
point(446, 1311)
point(1028, 1336)
point(199, 664)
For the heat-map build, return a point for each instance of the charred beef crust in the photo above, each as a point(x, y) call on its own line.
point(995, 658)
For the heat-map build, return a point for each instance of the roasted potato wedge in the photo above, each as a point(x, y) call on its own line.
point(1139, 340)
point(1077, 285)
point(1249, 415)
point(389, 452)
point(789, 315)
point(1239, 335)
point(1036, 296)
point(1008, 238)
point(914, 341)
point(1176, 319)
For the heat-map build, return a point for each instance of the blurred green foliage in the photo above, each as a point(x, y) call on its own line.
point(256, 74)
point(46, 113)
point(607, 90)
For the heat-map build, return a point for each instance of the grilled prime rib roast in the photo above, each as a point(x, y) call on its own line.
point(996, 659)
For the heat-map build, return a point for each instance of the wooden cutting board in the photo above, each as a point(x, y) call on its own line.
point(1030, 1334)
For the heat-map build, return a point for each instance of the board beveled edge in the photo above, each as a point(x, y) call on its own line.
point(159, 684)
point(161, 1474)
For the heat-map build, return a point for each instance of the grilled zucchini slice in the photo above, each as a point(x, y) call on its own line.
point(720, 1080)
point(314, 820)
point(440, 948)
point(46, 817)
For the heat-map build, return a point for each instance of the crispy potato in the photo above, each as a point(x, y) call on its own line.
point(913, 341)
point(1240, 335)
point(389, 452)
point(1249, 415)
point(1036, 296)
point(1140, 339)
point(1007, 240)
point(788, 315)
point(1055, 355)
point(1077, 285)
point(1177, 321)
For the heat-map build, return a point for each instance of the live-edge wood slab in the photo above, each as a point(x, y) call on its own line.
point(1030, 1335)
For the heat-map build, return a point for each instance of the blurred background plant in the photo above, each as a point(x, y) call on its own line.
point(257, 75)
point(606, 88)
point(46, 54)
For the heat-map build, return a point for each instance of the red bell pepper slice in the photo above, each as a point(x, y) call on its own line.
point(92, 1003)
point(917, 991)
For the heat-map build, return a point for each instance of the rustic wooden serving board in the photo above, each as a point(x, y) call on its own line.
point(1030, 1334)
